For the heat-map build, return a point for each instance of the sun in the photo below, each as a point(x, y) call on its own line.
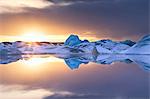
point(33, 36)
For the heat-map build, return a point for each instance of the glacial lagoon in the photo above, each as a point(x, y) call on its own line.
point(46, 76)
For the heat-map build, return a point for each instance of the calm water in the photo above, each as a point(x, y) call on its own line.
point(74, 77)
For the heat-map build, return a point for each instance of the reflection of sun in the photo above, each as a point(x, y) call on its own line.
point(34, 36)
point(36, 62)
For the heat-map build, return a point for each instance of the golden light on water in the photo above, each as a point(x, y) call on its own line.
point(33, 69)
point(36, 62)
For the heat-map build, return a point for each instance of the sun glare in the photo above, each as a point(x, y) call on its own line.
point(34, 36)
point(37, 61)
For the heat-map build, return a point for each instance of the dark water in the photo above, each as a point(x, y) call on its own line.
point(74, 77)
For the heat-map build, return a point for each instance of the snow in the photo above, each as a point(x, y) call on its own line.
point(86, 47)
point(141, 47)
point(102, 50)
point(74, 45)
point(109, 46)
point(128, 42)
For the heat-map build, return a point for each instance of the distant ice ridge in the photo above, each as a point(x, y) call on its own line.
point(73, 45)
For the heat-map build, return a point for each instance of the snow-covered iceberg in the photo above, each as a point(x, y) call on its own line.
point(101, 46)
point(141, 47)
point(107, 46)
point(74, 45)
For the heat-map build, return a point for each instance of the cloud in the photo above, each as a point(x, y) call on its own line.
point(69, 2)
point(69, 95)
point(20, 92)
point(117, 19)
point(16, 6)
point(66, 1)
point(82, 1)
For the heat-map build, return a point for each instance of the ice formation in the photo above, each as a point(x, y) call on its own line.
point(75, 51)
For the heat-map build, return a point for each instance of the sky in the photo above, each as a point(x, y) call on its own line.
point(57, 19)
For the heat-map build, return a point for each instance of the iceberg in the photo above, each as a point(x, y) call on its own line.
point(101, 46)
point(128, 42)
point(107, 46)
point(141, 47)
point(72, 41)
point(73, 45)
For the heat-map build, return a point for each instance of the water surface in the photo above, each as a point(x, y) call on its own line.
point(88, 77)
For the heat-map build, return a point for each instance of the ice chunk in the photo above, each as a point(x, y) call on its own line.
point(72, 40)
point(128, 42)
point(101, 49)
point(141, 47)
point(86, 47)
point(109, 46)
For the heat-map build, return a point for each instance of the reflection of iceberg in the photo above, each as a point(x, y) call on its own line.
point(142, 60)
point(109, 59)
point(9, 58)
point(74, 62)
point(9, 55)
